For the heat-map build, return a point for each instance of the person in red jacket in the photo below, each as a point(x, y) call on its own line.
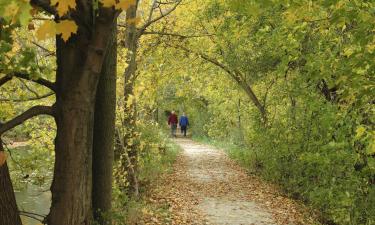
point(172, 122)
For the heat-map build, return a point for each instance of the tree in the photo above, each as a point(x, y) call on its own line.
point(79, 65)
point(311, 64)
point(104, 132)
point(9, 214)
point(131, 42)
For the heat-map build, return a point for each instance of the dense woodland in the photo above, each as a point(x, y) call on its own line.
point(287, 88)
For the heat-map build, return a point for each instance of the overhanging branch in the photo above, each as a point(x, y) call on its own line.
point(207, 58)
point(28, 99)
point(161, 33)
point(40, 81)
point(28, 114)
point(236, 75)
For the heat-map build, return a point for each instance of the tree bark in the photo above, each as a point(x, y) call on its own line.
point(9, 214)
point(131, 43)
point(79, 63)
point(249, 91)
point(104, 131)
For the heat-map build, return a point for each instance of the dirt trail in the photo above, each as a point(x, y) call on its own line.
point(206, 187)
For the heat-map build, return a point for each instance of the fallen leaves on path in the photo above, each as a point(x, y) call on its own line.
point(202, 173)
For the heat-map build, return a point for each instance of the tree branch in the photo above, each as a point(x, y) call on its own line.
point(45, 5)
point(148, 23)
point(151, 10)
point(41, 81)
point(44, 49)
point(5, 79)
point(207, 58)
point(175, 35)
point(28, 88)
point(26, 100)
point(236, 75)
point(28, 114)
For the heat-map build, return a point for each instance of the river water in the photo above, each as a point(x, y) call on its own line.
point(33, 200)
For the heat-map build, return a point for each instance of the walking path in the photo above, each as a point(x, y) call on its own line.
point(206, 187)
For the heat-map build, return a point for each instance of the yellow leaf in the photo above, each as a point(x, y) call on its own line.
point(66, 28)
point(348, 51)
point(135, 21)
point(360, 131)
point(46, 30)
point(11, 10)
point(3, 158)
point(125, 4)
point(63, 6)
point(130, 101)
point(108, 3)
point(371, 150)
point(15, 48)
point(290, 16)
point(370, 48)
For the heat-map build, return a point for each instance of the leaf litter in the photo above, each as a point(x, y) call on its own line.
point(207, 187)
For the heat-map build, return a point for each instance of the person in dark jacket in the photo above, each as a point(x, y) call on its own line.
point(172, 122)
point(184, 122)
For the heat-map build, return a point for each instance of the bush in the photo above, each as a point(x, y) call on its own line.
point(156, 154)
point(318, 159)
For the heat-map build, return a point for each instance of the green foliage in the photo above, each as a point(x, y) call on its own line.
point(311, 64)
point(156, 156)
point(31, 165)
point(156, 152)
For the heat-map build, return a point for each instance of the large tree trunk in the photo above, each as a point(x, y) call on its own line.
point(8, 207)
point(104, 131)
point(79, 63)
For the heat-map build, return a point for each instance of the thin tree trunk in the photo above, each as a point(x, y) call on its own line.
point(9, 214)
point(104, 131)
point(131, 43)
point(79, 63)
point(241, 138)
point(249, 91)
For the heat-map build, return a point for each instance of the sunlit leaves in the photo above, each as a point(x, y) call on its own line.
point(121, 4)
point(49, 29)
point(371, 149)
point(360, 131)
point(292, 47)
point(46, 30)
point(15, 11)
point(20, 11)
point(11, 10)
point(63, 6)
point(135, 20)
point(66, 28)
point(125, 4)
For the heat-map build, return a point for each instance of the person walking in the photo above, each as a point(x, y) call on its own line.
point(172, 122)
point(184, 122)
